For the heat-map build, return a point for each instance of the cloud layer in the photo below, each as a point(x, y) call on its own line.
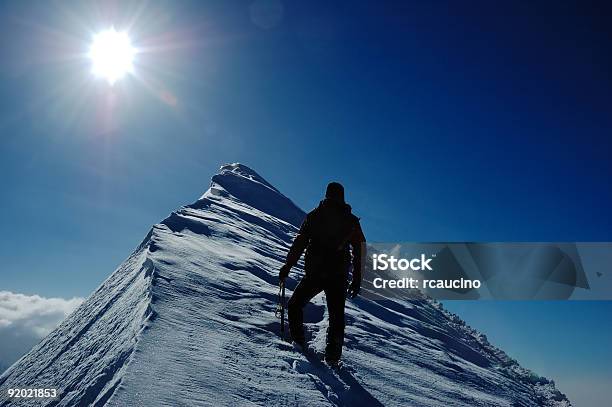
point(25, 319)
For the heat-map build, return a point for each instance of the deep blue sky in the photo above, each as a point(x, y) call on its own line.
point(444, 120)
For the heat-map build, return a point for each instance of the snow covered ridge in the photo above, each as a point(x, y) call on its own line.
point(188, 319)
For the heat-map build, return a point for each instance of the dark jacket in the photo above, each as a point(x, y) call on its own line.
point(326, 234)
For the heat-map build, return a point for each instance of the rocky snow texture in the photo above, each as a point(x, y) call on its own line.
point(188, 320)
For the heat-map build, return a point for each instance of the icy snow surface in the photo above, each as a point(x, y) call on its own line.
point(188, 320)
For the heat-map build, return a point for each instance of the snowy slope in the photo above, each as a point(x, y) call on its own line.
point(188, 319)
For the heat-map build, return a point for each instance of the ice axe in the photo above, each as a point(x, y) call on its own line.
point(280, 307)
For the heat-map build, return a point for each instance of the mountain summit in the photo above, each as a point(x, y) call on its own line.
point(188, 319)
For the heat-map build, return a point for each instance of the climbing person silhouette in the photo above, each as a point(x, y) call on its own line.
point(326, 234)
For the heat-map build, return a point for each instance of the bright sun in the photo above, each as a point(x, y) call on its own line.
point(111, 55)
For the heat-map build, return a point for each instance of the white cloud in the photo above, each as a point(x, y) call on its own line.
point(25, 319)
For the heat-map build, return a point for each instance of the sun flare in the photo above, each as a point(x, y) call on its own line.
point(111, 55)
